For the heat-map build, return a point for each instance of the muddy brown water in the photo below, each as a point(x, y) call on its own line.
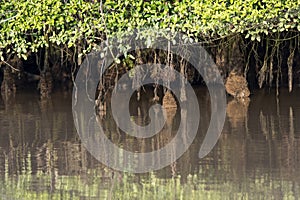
point(256, 157)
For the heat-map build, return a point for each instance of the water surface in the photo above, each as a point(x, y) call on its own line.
point(256, 157)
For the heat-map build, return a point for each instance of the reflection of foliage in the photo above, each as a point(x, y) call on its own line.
point(126, 186)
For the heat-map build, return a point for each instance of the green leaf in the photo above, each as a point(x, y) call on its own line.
point(117, 60)
point(131, 56)
point(258, 38)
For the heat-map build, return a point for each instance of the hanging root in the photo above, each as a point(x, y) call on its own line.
point(271, 76)
point(290, 67)
point(264, 68)
point(182, 71)
point(156, 97)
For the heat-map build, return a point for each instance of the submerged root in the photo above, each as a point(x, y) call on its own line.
point(169, 101)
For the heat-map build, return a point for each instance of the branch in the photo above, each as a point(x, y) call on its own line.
point(7, 19)
point(13, 68)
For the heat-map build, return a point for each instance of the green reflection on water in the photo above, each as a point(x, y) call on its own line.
point(128, 186)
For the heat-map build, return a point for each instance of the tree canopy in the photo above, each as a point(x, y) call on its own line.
point(26, 26)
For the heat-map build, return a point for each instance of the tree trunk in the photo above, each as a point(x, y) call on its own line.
point(46, 81)
point(10, 76)
point(236, 57)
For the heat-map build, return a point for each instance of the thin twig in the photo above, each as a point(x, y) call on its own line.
point(11, 66)
point(7, 19)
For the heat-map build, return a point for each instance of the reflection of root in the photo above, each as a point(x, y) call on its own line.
point(171, 112)
point(167, 133)
point(45, 104)
point(237, 111)
point(170, 105)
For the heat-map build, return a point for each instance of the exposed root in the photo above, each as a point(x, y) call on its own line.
point(237, 85)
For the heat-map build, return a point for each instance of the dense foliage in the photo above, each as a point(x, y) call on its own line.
point(71, 28)
point(29, 25)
